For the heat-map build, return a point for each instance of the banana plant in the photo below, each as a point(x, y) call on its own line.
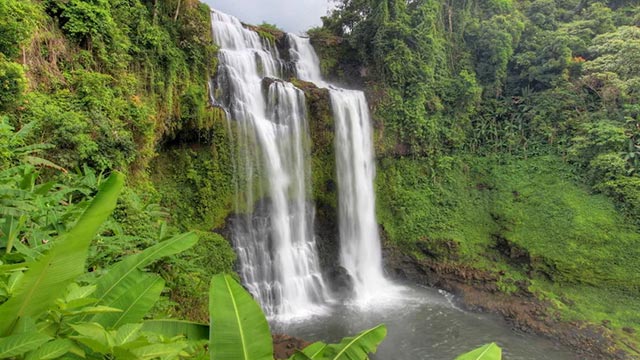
point(240, 331)
point(46, 279)
point(357, 347)
point(48, 315)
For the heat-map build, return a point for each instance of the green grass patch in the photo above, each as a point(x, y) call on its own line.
point(418, 203)
point(572, 236)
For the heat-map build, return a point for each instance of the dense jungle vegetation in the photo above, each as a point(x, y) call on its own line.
point(507, 131)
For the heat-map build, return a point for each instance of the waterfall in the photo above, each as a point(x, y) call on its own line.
point(272, 232)
point(360, 251)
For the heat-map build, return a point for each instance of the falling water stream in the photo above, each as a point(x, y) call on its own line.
point(360, 250)
point(276, 246)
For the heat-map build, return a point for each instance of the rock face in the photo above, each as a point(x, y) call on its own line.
point(284, 346)
point(323, 172)
point(478, 290)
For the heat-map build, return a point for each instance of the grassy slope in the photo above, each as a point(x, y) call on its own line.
point(583, 255)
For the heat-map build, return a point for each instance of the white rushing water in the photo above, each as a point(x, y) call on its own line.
point(360, 249)
point(275, 245)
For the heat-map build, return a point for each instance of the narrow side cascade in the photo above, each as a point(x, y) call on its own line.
point(272, 232)
point(360, 248)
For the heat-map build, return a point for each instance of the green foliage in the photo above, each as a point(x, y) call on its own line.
point(108, 82)
point(114, 289)
point(18, 344)
point(239, 329)
point(434, 208)
point(49, 314)
point(427, 89)
point(18, 20)
point(91, 24)
point(96, 117)
point(357, 347)
point(524, 220)
point(197, 183)
point(494, 41)
point(47, 278)
point(613, 52)
point(211, 255)
point(266, 25)
point(486, 352)
point(12, 84)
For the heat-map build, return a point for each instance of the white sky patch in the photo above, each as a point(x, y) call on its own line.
point(295, 16)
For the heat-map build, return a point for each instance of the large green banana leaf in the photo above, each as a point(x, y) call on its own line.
point(135, 303)
point(239, 329)
point(486, 352)
point(124, 274)
point(172, 328)
point(351, 348)
point(314, 351)
point(358, 347)
point(48, 277)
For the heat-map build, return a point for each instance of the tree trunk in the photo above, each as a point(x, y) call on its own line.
point(175, 18)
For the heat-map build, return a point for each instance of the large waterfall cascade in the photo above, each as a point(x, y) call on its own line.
point(360, 248)
point(276, 247)
point(268, 123)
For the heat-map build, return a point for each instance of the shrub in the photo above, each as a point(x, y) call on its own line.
point(12, 83)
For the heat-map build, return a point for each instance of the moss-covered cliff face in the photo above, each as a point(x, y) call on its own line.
point(323, 172)
point(196, 183)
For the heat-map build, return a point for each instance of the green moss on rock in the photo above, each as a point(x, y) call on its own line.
point(196, 181)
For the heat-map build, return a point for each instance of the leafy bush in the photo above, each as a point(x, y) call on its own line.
point(47, 313)
point(12, 84)
point(91, 24)
point(17, 21)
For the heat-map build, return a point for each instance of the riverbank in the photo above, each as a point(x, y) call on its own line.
point(508, 237)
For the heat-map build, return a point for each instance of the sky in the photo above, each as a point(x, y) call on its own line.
point(293, 16)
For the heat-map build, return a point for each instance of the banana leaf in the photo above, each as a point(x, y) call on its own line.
point(239, 329)
point(48, 277)
point(172, 328)
point(486, 352)
point(121, 276)
point(358, 347)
